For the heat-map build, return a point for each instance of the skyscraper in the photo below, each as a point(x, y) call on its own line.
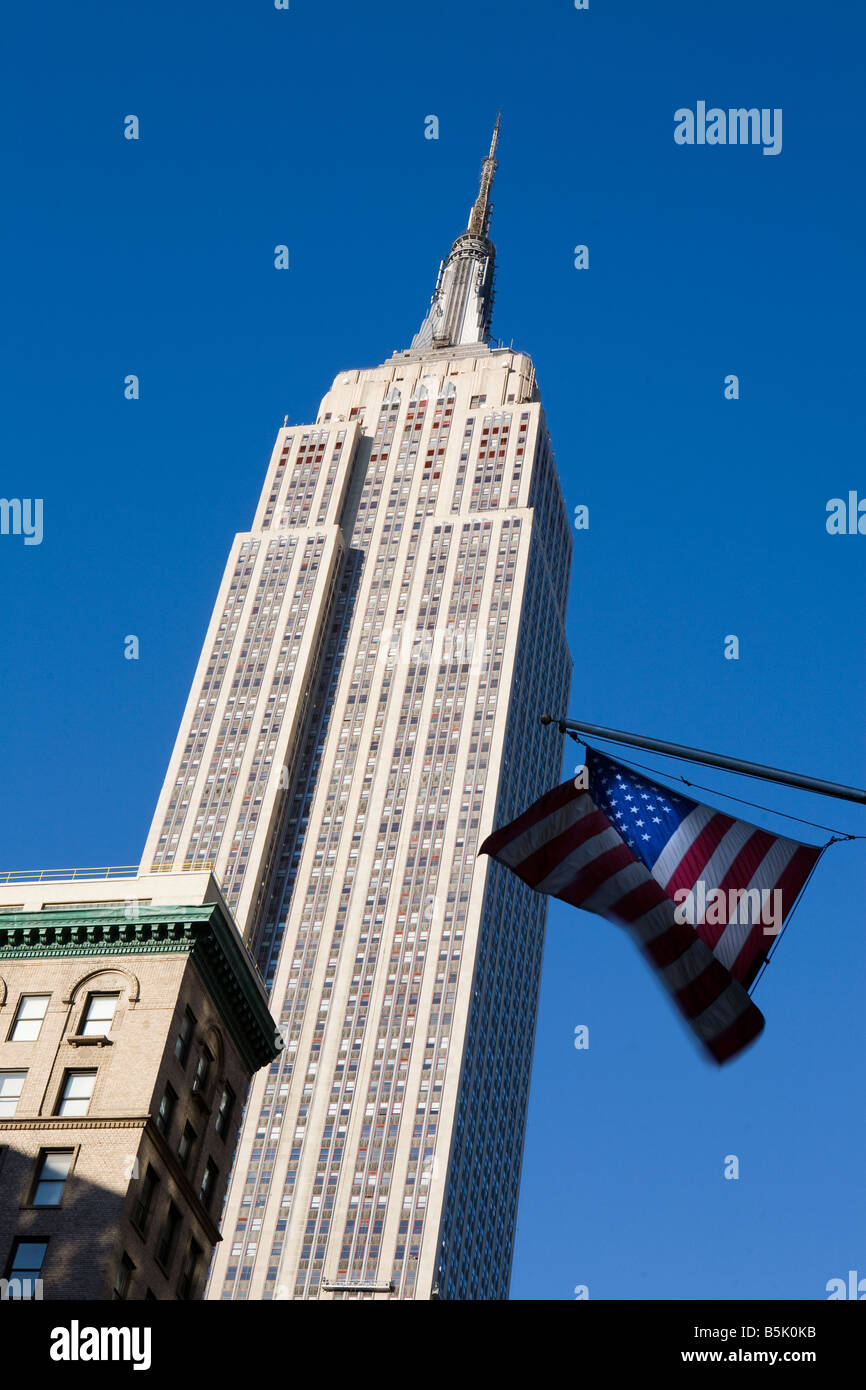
point(364, 712)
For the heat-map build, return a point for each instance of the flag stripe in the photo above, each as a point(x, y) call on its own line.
point(739, 875)
point(719, 863)
point(539, 863)
point(606, 897)
point(640, 900)
point(591, 877)
point(699, 852)
point(546, 805)
point(730, 1041)
point(686, 831)
point(697, 996)
point(564, 873)
point(769, 872)
point(669, 946)
point(756, 947)
point(625, 847)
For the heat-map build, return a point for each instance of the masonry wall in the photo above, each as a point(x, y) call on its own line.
point(113, 1144)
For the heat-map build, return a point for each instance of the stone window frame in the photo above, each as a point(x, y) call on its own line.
point(128, 991)
point(33, 1182)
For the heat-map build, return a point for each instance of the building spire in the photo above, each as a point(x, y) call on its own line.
point(462, 306)
point(479, 218)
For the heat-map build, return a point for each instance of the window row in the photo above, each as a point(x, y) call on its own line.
point(96, 1019)
point(169, 1230)
point(25, 1264)
point(76, 1090)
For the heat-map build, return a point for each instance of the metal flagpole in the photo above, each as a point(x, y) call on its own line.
point(699, 755)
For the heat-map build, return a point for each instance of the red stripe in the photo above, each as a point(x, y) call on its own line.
point(703, 991)
point(754, 949)
point(739, 875)
point(594, 874)
point(753, 953)
point(665, 949)
point(743, 1031)
point(637, 902)
point(699, 996)
point(544, 806)
point(550, 855)
point(699, 853)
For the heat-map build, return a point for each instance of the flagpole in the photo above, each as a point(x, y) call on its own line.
point(700, 755)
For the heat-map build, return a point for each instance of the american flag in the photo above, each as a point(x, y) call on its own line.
point(615, 843)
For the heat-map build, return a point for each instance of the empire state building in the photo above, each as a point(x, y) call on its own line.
point(364, 713)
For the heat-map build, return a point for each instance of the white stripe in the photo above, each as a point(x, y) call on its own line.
point(725, 853)
point(725, 1010)
point(653, 923)
point(611, 890)
point(545, 830)
point(722, 1012)
point(680, 842)
point(570, 866)
point(687, 967)
point(766, 876)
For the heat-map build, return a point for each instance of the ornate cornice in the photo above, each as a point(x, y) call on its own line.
point(200, 931)
point(102, 931)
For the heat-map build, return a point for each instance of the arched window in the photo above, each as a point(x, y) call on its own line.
point(98, 1002)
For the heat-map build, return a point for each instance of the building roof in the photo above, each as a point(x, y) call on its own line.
point(203, 930)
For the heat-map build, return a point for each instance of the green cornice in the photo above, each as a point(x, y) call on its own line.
point(200, 931)
point(102, 931)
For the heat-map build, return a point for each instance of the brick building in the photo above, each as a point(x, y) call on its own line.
point(131, 1021)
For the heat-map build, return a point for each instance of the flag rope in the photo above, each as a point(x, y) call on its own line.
point(835, 837)
point(756, 805)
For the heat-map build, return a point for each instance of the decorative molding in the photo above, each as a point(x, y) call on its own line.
point(90, 931)
point(75, 1122)
point(201, 931)
point(214, 1039)
point(133, 988)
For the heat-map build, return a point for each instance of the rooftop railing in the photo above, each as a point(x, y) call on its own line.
point(103, 872)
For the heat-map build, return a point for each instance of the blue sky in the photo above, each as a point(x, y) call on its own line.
point(707, 516)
